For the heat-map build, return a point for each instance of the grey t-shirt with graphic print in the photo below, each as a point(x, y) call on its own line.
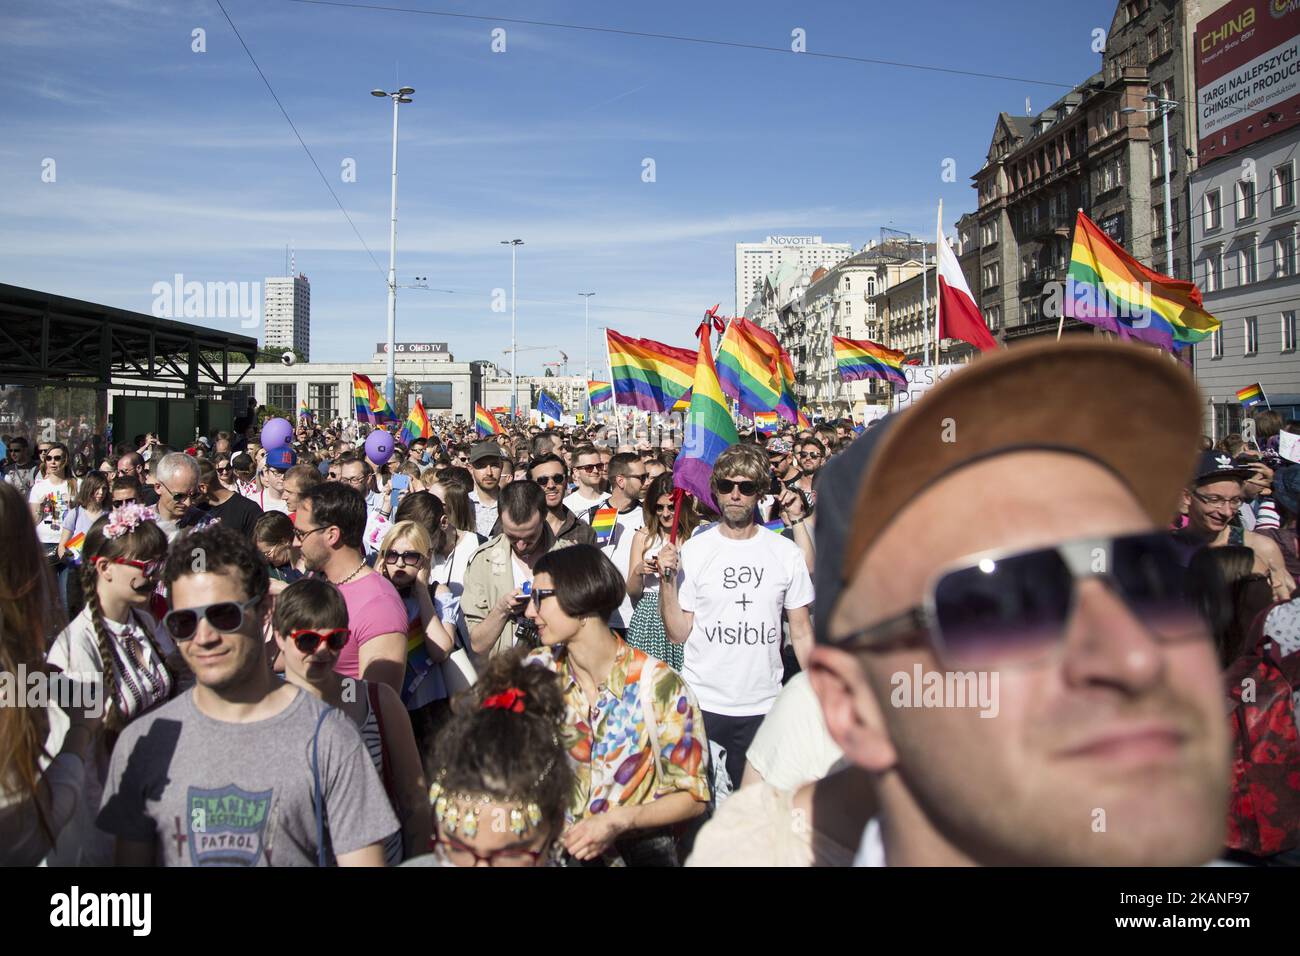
point(216, 793)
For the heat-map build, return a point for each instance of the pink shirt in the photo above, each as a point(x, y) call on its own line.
point(374, 608)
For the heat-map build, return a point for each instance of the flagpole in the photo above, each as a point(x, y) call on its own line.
point(1060, 326)
point(925, 301)
point(938, 299)
point(613, 392)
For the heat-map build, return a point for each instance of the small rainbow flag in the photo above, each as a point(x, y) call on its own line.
point(303, 410)
point(801, 420)
point(603, 522)
point(647, 374)
point(74, 545)
point(485, 423)
point(416, 425)
point(708, 430)
point(370, 404)
point(777, 525)
point(1251, 395)
point(765, 423)
point(599, 392)
point(1108, 288)
point(862, 358)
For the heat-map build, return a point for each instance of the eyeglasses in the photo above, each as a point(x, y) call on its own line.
point(151, 569)
point(223, 616)
point(55, 459)
point(221, 468)
point(304, 535)
point(1215, 500)
point(358, 480)
point(117, 503)
point(662, 508)
point(545, 480)
point(405, 558)
point(308, 640)
point(640, 477)
point(590, 468)
point(1012, 608)
point(746, 487)
point(810, 454)
point(186, 496)
point(459, 854)
point(541, 594)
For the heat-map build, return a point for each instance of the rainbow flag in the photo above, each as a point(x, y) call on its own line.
point(74, 545)
point(765, 422)
point(485, 423)
point(1108, 288)
point(801, 420)
point(599, 392)
point(370, 404)
point(683, 404)
point(647, 374)
point(603, 522)
point(1251, 395)
point(303, 410)
point(859, 359)
point(416, 424)
point(707, 432)
point(776, 525)
point(756, 371)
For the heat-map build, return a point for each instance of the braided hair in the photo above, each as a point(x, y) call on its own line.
point(146, 542)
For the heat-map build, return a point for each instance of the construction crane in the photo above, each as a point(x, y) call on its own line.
point(564, 357)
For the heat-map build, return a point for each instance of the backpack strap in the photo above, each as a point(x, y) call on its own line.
point(372, 694)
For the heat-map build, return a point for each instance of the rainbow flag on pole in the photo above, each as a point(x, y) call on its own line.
point(708, 431)
point(647, 374)
point(485, 423)
point(1108, 288)
point(765, 423)
point(859, 359)
point(599, 392)
point(303, 410)
point(756, 371)
point(1251, 395)
point(370, 404)
point(416, 425)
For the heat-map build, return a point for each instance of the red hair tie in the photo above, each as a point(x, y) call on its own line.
point(511, 699)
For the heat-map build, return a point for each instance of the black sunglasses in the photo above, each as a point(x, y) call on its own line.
point(1012, 608)
point(541, 594)
point(549, 479)
point(224, 616)
point(746, 487)
point(405, 558)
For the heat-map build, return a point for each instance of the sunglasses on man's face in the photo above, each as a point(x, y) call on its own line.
point(224, 616)
point(309, 640)
point(590, 468)
point(747, 488)
point(119, 502)
point(1008, 609)
point(545, 480)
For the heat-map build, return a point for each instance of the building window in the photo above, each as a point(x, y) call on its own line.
point(1245, 200)
point(1288, 331)
point(1210, 281)
point(1167, 41)
point(1216, 343)
point(323, 398)
point(1248, 264)
point(1284, 257)
point(1251, 326)
point(1157, 169)
point(284, 397)
point(1213, 217)
point(1283, 180)
point(1158, 221)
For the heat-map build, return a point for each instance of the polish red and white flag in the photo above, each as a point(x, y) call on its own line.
point(959, 316)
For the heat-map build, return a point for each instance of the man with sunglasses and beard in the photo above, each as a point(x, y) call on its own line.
point(549, 472)
point(231, 772)
point(723, 594)
point(1109, 745)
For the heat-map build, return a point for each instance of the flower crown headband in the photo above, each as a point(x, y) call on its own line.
point(127, 518)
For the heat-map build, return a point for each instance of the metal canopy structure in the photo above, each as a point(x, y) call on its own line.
point(51, 340)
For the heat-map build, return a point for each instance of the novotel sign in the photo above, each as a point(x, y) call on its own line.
point(794, 240)
point(412, 348)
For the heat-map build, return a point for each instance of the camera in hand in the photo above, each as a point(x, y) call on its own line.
point(526, 633)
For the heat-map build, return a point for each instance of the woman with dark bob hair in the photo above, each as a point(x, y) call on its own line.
point(632, 730)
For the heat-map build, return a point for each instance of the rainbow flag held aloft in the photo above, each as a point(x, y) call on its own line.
point(755, 370)
point(485, 423)
point(370, 405)
point(707, 432)
point(683, 404)
point(1108, 288)
point(603, 522)
point(801, 420)
point(765, 423)
point(74, 546)
point(862, 358)
point(776, 525)
point(303, 410)
point(416, 424)
point(1252, 395)
point(598, 392)
point(647, 374)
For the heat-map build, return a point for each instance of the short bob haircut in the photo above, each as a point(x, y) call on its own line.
point(308, 603)
point(747, 460)
point(586, 582)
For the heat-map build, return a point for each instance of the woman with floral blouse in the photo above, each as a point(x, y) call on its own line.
point(633, 731)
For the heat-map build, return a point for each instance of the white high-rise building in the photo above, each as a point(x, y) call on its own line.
point(287, 312)
point(756, 260)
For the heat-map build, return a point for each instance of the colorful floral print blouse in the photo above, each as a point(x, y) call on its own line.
point(609, 744)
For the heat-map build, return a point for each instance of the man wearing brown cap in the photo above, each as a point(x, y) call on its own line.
point(1004, 642)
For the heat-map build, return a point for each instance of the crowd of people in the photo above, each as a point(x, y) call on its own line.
point(999, 627)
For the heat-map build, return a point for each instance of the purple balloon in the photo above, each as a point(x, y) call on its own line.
point(379, 446)
point(276, 433)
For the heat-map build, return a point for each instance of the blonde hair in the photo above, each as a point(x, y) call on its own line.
point(413, 532)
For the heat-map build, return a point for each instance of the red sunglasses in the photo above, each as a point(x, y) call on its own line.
point(308, 641)
point(151, 569)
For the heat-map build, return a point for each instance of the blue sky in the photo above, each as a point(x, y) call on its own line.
point(171, 161)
